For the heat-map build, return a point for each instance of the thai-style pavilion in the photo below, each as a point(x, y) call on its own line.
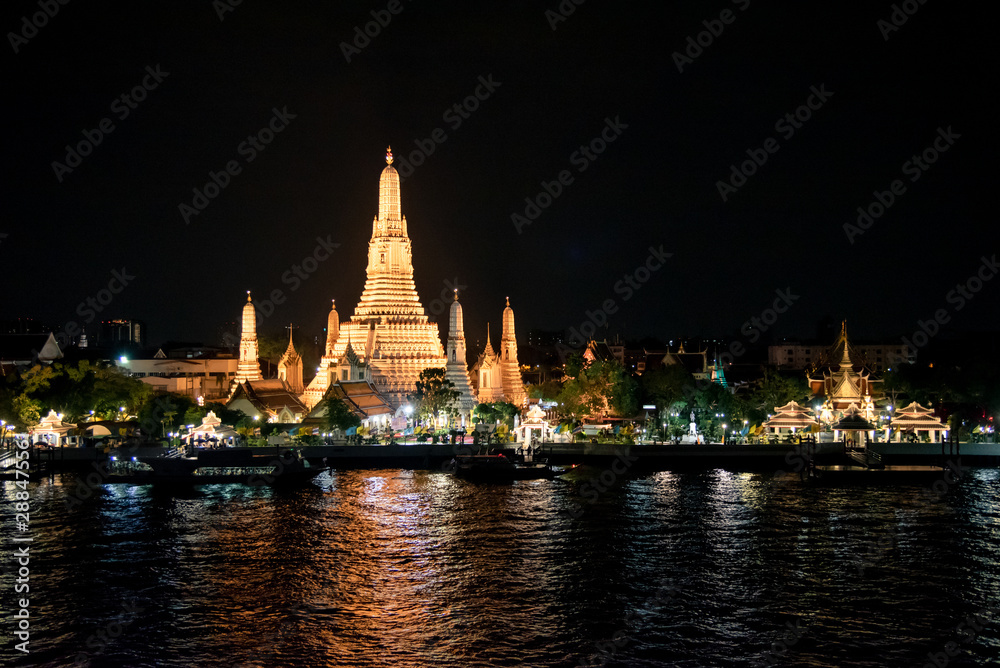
point(791, 417)
point(917, 421)
point(361, 398)
point(843, 379)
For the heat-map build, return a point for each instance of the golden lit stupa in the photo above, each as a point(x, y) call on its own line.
point(389, 333)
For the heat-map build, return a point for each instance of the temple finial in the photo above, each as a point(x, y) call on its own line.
point(248, 296)
point(508, 300)
point(388, 155)
point(456, 294)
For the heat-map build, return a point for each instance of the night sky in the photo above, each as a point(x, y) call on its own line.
point(607, 67)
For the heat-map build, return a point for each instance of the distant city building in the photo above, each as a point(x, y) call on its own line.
point(877, 356)
point(25, 326)
point(208, 376)
point(122, 332)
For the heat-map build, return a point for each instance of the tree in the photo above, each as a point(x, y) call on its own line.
point(547, 391)
point(500, 411)
point(435, 394)
point(667, 385)
point(26, 411)
point(773, 390)
point(339, 415)
point(597, 389)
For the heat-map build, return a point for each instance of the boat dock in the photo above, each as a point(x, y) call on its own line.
point(427, 456)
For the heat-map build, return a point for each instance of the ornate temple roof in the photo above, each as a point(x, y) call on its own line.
point(791, 415)
point(916, 416)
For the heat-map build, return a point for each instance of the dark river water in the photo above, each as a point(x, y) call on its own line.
point(413, 568)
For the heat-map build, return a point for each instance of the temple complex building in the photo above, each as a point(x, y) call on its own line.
point(290, 367)
point(249, 365)
point(510, 369)
point(389, 339)
point(457, 368)
point(486, 371)
point(498, 375)
point(844, 380)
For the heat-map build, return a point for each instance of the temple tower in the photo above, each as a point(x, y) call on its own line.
point(489, 383)
point(389, 332)
point(290, 367)
point(510, 370)
point(248, 367)
point(457, 368)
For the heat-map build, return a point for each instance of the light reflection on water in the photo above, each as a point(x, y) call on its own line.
point(409, 568)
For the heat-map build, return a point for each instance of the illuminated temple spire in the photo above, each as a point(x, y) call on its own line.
point(510, 370)
point(249, 366)
point(390, 336)
point(332, 328)
point(457, 370)
point(290, 366)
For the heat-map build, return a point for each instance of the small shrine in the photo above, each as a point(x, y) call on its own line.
point(51, 429)
point(915, 421)
point(534, 427)
point(790, 417)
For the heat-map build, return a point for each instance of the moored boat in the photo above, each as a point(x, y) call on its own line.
point(499, 468)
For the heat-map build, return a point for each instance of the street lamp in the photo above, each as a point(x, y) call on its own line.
point(724, 427)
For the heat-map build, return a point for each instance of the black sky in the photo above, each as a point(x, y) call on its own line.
point(654, 185)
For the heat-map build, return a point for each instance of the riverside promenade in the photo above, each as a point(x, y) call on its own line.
point(428, 456)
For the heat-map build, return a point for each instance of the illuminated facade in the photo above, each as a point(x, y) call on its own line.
point(290, 367)
point(845, 383)
point(457, 367)
point(510, 370)
point(248, 367)
point(489, 383)
point(389, 339)
point(498, 375)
